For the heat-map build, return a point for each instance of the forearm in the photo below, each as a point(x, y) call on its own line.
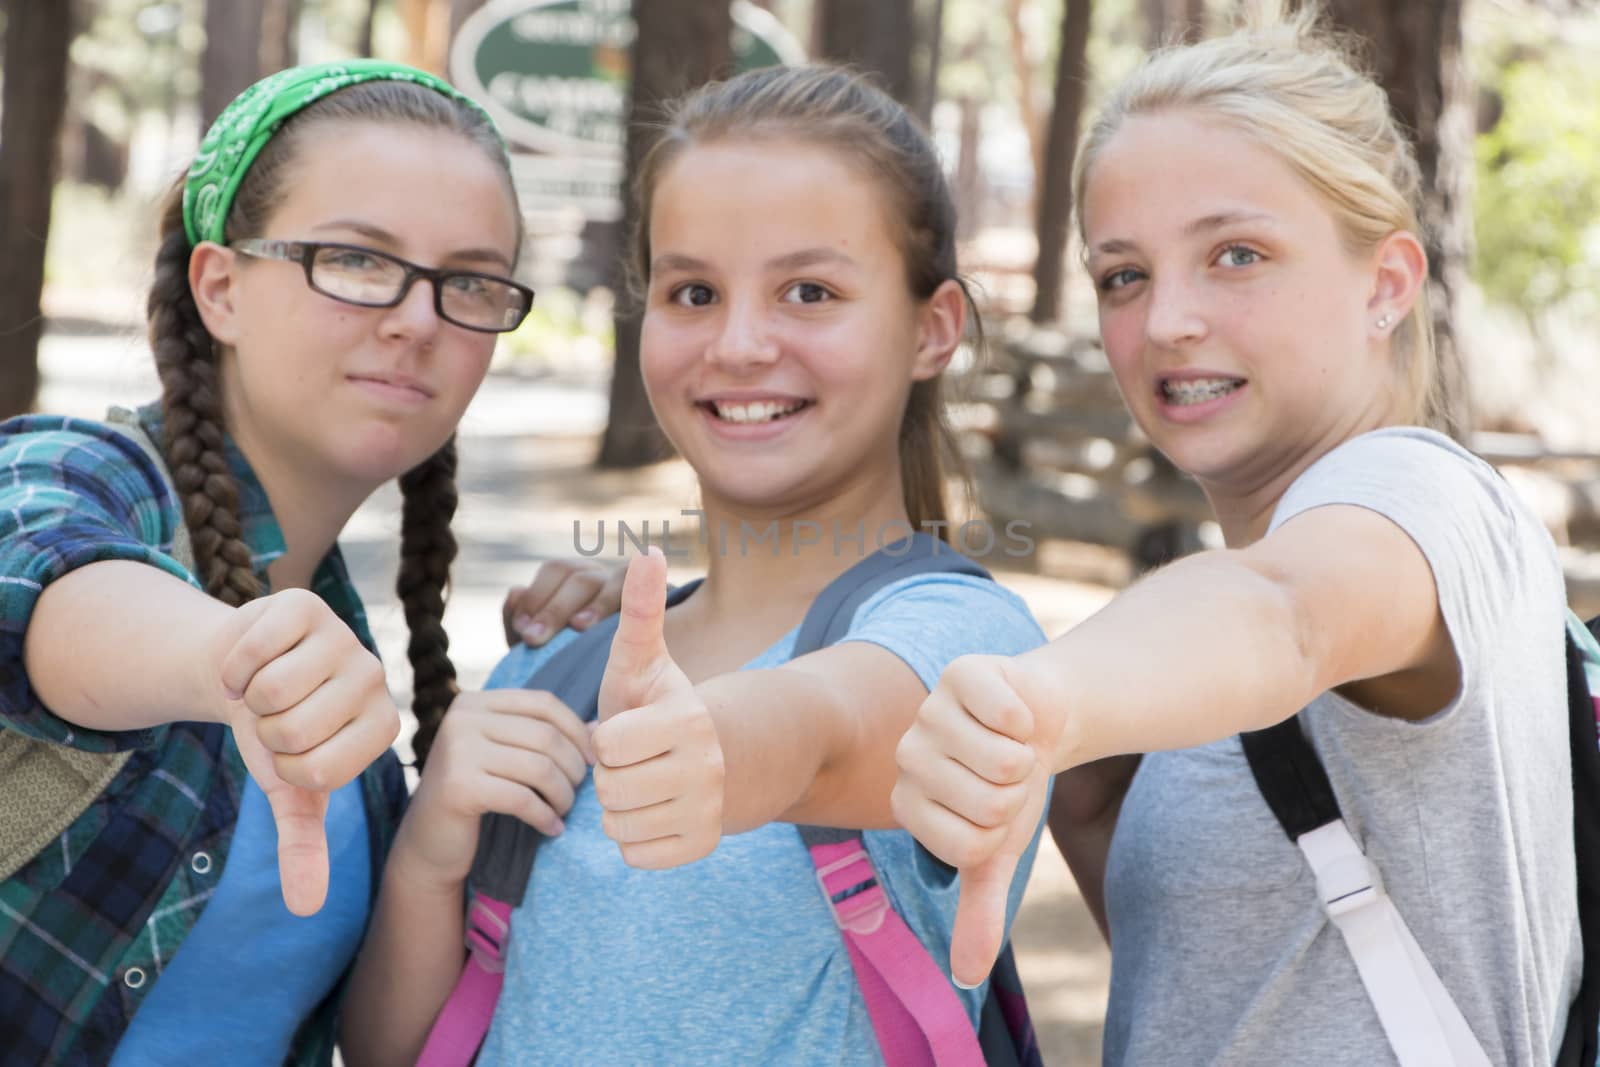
point(1201, 650)
point(798, 748)
point(124, 646)
point(776, 730)
point(408, 966)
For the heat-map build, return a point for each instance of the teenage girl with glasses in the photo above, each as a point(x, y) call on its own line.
point(190, 690)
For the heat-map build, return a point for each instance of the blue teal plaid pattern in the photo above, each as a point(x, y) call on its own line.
point(120, 888)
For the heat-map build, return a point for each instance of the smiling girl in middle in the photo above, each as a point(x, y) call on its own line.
point(797, 239)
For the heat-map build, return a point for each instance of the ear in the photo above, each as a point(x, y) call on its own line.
point(943, 318)
point(212, 273)
point(1400, 271)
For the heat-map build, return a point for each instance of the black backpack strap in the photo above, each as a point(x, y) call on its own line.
point(1580, 1044)
point(1291, 777)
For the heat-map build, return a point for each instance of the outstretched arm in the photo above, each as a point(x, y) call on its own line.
point(1215, 644)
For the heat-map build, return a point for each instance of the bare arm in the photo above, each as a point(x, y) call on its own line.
point(1228, 641)
point(1215, 644)
point(813, 741)
point(152, 638)
point(408, 965)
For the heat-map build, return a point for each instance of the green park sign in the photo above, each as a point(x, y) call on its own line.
point(554, 73)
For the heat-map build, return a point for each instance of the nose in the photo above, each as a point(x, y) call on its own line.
point(414, 317)
point(1174, 315)
point(743, 340)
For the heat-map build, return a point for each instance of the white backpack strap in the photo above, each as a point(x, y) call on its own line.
point(1423, 1024)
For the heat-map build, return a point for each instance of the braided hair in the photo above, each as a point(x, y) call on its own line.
point(186, 359)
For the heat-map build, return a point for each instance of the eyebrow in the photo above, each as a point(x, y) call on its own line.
point(1204, 224)
point(378, 233)
point(798, 260)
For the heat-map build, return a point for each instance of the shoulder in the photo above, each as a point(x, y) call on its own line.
point(938, 597)
point(930, 620)
point(88, 456)
point(1397, 466)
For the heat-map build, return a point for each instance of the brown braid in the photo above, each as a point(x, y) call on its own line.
point(191, 406)
point(427, 548)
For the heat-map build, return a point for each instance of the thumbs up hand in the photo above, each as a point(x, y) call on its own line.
point(974, 772)
point(310, 710)
point(659, 771)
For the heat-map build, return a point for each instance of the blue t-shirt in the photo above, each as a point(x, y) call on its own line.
point(250, 972)
point(734, 958)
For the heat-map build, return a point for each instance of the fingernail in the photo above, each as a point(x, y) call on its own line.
point(960, 984)
point(521, 622)
point(583, 618)
point(231, 694)
point(535, 632)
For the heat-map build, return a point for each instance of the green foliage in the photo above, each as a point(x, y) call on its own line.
point(1537, 210)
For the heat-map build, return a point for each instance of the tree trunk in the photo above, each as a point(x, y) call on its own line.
point(427, 25)
point(679, 44)
point(1061, 146)
point(231, 61)
point(876, 36)
point(280, 31)
point(36, 40)
point(1416, 49)
point(364, 41)
point(932, 53)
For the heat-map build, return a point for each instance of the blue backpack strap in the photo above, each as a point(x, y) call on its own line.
point(915, 1013)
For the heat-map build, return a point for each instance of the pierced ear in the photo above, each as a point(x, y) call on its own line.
point(944, 317)
point(1401, 267)
point(211, 278)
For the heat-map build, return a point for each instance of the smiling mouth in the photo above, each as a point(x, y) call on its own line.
point(754, 413)
point(1197, 390)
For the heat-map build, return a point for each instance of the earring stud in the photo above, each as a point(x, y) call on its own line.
point(1384, 320)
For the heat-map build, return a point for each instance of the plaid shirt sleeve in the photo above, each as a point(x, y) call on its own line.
point(72, 492)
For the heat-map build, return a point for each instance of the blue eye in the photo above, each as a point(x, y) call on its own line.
point(694, 294)
point(1239, 256)
point(1119, 278)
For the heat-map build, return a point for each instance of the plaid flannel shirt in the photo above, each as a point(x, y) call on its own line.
point(86, 925)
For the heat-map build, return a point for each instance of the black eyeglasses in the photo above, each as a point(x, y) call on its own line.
point(369, 278)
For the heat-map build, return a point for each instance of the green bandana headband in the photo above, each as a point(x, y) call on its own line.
point(247, 124)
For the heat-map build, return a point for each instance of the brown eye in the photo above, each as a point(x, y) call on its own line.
point(806, 293)
point(693, 294)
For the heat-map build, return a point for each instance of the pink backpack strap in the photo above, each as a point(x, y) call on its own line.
point(917, 1016)
point(464, 1020)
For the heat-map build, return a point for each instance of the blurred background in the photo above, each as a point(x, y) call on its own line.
point(103, 102)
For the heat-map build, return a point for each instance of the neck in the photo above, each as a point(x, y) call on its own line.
point(766, 562)
point(310, 510)
point(1245, 501)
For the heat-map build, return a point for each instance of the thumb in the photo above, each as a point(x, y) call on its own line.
point(301, 815)
point(980, 926)
point(639, 647)
point(981, 918)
